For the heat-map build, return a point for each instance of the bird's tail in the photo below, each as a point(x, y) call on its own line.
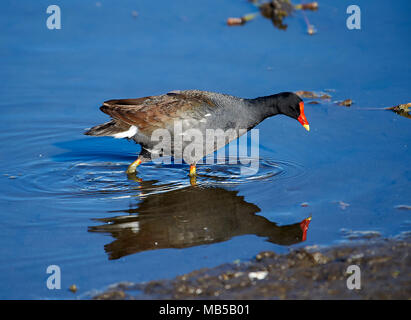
point(107, 129)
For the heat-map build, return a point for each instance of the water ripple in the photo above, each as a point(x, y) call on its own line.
point(44, 178)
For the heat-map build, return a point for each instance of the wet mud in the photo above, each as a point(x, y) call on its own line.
point(304, 273)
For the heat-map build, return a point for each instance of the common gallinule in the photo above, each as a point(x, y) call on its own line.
point(178, 112)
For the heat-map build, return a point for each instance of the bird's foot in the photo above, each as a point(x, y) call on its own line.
point(193, 181)
point(132, 167)
point(133, 177)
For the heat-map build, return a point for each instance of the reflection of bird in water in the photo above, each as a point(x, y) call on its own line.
point(190, 217)
point(276, 11)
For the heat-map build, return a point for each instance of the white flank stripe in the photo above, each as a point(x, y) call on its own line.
point(126, 134)
point(134, 226)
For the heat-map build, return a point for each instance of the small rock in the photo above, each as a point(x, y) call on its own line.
point(312, 247)
point(319, 258)
point(258, 275)
point(111, 295)
point(264, 254)
point(355, 257)
point(224, 276)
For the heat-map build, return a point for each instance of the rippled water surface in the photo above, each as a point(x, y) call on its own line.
point(66, 200)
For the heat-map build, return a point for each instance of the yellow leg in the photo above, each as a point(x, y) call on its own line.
point(132, 167)
point(193, 174)
point(192, 171)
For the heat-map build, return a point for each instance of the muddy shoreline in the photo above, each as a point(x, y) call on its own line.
point(303, 273)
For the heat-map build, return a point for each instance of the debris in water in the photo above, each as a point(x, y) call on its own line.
point(402, 109)
point(306, 94)
point(313, 6)
point(276, 11)
point(343, 205)
point(403, 207)
point(235, 21)
point(310, 29)
point(73, 288)
point(345, 103)
point(358, 235)
point(325, 96)
point(312, 95)
point(242, 20)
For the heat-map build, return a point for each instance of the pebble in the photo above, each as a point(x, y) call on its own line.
point(258, 275)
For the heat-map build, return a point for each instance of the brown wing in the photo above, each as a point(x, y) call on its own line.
point(150, 113)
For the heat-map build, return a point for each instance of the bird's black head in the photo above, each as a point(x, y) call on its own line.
point(289, 104)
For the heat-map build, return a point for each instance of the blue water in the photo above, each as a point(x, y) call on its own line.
point(63, 195)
